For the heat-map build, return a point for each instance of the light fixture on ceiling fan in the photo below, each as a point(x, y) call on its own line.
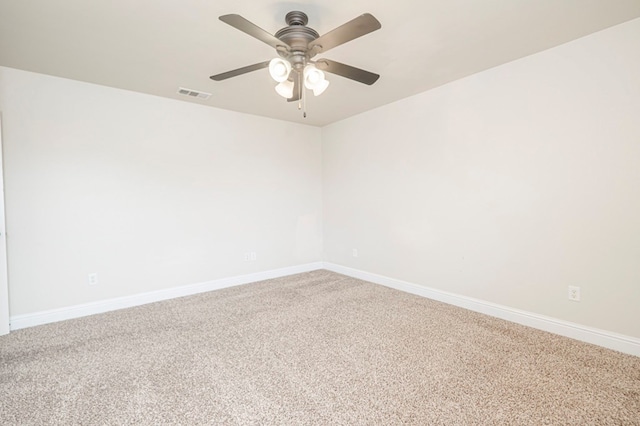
point(314, 79)
point(296, 45)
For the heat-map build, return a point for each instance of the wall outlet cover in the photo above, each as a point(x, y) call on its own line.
point(92, 278)
point(574, 293)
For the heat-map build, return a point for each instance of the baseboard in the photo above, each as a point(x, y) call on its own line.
point(38, 318)
point(618, 342)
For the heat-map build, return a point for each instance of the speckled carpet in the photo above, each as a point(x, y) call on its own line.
point(314, 348)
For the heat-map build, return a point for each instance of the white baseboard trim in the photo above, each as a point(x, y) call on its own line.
point(618, 342)
point(38, 318)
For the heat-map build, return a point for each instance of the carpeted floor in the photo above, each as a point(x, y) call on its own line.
point(314, 348)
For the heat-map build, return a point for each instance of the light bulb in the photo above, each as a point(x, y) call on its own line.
point(285, 89)
point(279, 69)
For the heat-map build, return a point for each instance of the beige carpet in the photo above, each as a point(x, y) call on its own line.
point(315, 348)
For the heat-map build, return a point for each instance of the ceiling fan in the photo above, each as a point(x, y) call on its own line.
point(296, 45)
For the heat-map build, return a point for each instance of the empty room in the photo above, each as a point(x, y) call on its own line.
point(358, 213)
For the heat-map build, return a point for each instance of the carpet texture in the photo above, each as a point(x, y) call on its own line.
point(314, 348)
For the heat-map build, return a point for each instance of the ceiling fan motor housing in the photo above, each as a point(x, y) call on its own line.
point(297, 36)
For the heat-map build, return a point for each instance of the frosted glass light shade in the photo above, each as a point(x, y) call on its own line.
point(285, 89)
point(312, 76)
point(320, 88)
point(279, 69)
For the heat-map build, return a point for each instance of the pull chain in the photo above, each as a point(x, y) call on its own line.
point(304, 103)
point(302, 99)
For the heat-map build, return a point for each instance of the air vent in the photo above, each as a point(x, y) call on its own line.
point(193, 93)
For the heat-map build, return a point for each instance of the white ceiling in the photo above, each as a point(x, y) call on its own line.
point(155, 46)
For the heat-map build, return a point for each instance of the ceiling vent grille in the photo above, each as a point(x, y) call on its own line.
point(193, 93)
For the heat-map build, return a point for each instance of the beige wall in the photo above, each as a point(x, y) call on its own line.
point(150, 193)
point(506, 186)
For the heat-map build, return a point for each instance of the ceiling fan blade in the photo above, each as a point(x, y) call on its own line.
point(363, 24)
point(297, 93)
point(239, 71)
point(347, 71)
point(253, 30)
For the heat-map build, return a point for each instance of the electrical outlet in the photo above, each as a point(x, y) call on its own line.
point(354, 252)
point(574, 293)
point(93, 278)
